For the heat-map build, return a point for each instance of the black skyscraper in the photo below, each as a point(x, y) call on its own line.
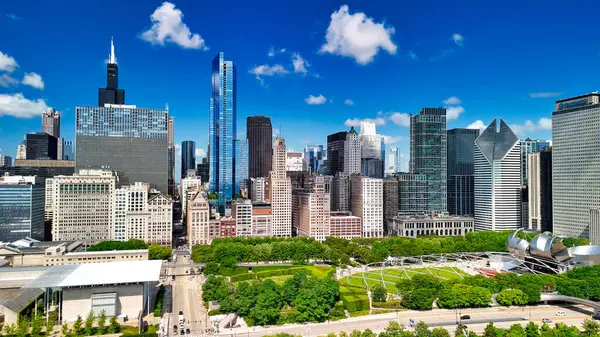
point(41, 145)
point(188, 157)
point(546, 189)
point(461, 188)
point(335, 152)
point(260, 146)
point(111, 94)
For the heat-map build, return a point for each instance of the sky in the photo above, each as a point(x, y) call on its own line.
point(315, 68)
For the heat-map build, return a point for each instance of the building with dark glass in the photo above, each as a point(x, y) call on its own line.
point(202, 170)
point(412, 194)
point(188, 157)
point(313, 155)
point(540, 191)
point(460, 170)
point(124, 138)
point(111, 94)
point(335, 152)
point(41, 146)
point(21, 208)
point(222, 128)
point(259, 132)
point(428, 154)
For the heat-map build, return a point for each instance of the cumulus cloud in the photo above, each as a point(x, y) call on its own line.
point(478, 124)
point(267, 70)
point(392, 139)
point(545, 94)
point(34, 80)
point(271, 52)
point(16, 105)
point(168, 27)
point(8, 81)
point(7, 63)
point(542, 124)
point(400, 118)
point(453, 112)
point(349, 101)
point(300, 64)
point(452, 100)
point(357, 36)
point(379, 121)
point(200, 153)
point(458, 39)
point(276, 132)
point(315, 100)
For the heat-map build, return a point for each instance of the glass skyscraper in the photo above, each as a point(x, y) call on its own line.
point(241, 162)
point(428, 154)
point(223, 128)
point(21, 208)
point(313, 154)
point(188, 157)
point(460, 171)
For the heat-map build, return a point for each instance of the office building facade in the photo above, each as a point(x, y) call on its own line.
point(352, 153)
point(197, 220)
point(390, 201)
point(67, 150)
point(280, 190)
point(310, 210)
point(428, 154)
point(394, 160)
point(202, 170)
point(241, 211)
point(241, 164)
point(343, 224)
point(540, 190)
point(412, 194)
point(41, 146)
point(367, 203)
point(260, 145)
point(372, 163)
point(51, 122)
point(340, 192)
point(313, 156)
point(460, 168)
point(335, 152)
point(21, 208)
point(124, 138)
point(295, 162)
point(22, 150)
point(262, 220)
point(497, 158)
point(188, 157)
point(530, 146)
point(257, 189)
point(416, 226)
point(6, 161)
point(171, 156)
point(111, 94)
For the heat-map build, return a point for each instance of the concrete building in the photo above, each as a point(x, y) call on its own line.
point(340, 192)
point(460, 168)
point(241, 211)
point(295, 162)
point(131, 214)
point(310, 210)
point(529, 146)
point(21, 208)
point(257, 189)
point(22, 150)
point(280, 188)
point(160, 226)
point(44, 168)
point(68, 152)
point(428, 155)
point(6, 161)
point(86, 198)
point(51, 122)
point(497, 179)
point(48, 203)
point(575, 175)
point(390, 201)
point(412, 194)
point(314, 157)
point(394, 160)
point(367, 203)
point(352, 153)
point(227, 227)
point(262, 220)
point(345, 225)
point(197, 220)
point(540, 190)
point(372, 164)
point(416, 226)
point(171, 156)
point(190, 183)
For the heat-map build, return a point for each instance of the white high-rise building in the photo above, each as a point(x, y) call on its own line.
point(497, 179)
point(84, 207)
point(367, 203)
point(257, 189)
point(22, 151)
point(280, 188)
point(575, 169)
point(48, 197)
point(189, 183)
point(352, 153)
point(311, 210)
point(295, 162)
point(241, 210)
point(394, 160)
point(370, 141)
point(160, 227)
point(198, 217)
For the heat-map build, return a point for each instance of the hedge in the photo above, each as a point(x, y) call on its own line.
point(159, 301)
point(354, 298)
point(387, 305)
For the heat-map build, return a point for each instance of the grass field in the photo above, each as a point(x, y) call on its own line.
point(392, 276)
point(244, 270)
point(276, 273)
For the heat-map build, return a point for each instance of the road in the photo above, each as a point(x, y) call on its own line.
point(187, 297)
point(503, 318)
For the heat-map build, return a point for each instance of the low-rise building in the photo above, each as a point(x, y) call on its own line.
point(197, 220)
point(415, 226)
point(241, 211)
point(262, 220)
point(227, 227)
point(344, 225)
point(21, 208)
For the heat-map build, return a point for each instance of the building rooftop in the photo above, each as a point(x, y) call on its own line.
point(121, 272)
point(17, 299)
point(109, 252)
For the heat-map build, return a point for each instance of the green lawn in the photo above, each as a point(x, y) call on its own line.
point(392, 276)
point(244, 270)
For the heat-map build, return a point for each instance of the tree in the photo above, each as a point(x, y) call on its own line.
point(229, 262)
point(89, 323)
point(368, 333)
point(379, 293)
point(65, 329)
point(22, 326)
point(10, 329)
point(308, 307)
point(422, 329)
point(102, 322)
point(440, 332)
point(37, 323)
point(531, 330)
point(508, 297)
point(113, 326)
point(591, 327)
point(157, 252)
point(77, 325)
point(461, 331)
point(211, 268)
point(419, 299)
point(52, 319)
point(490, 330)
point(516, 330)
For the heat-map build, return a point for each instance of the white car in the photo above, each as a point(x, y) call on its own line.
point(561, 313)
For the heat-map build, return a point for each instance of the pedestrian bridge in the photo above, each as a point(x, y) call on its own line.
point(570, 299)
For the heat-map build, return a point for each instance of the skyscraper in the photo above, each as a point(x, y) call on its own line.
point(111, 94)
point(575, 175)
point(460, 171)
point(530, 146)
point(171, 155)
point(21, 208)
point(313, 155)
point(241, 163)
point(335, 152)
point(371, 150)
point(222, 128)
point(41, 145)
point(124, 138)
point(188, 157)
point(428, 154)
point(68, 153)
point(260, 146)
point(51, 122)
point(394, 159)
point(497, 179)
point(367, 203)
point(280, 189)
point(352, 153)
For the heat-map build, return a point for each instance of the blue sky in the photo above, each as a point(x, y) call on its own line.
point(357, 59)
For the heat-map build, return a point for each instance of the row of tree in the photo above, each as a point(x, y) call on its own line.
point(155, 252)
point(231, 251)
point(300, 299)
point(38, 326)
point(394, 329)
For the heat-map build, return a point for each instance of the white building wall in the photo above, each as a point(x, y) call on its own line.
point(367, 203)
point(78, 301)
point(48, 200)
point(160, 227)
point(352, 154)
point(534, 191)
point(242, 212)
point(280, 188)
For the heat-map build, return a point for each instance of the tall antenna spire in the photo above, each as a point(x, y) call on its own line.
point(112, 58)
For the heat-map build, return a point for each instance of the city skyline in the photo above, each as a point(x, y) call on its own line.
point(284, 93)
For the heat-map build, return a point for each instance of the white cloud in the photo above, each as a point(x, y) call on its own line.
point(412, 55)
point(34, 80)
point(271, 52)
point(315, 100)
point(453, 112)
point(200, 153)
point(379, 121)
point(478, 124)
point(8, 81)
point(7, 63)
point(267, 70)
point(542, 124)
point(276, 132)
point(400, 118)
point(299, 63)
point(282, 50)
point(16, 105)
point(452, 100)
point(544, 94)
point(177, 146)
point(458, 39)
point(349, 101)
point(357, 36)
point(392, 139)
point(168, 26)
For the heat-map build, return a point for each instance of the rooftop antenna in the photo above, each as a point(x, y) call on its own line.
point(112, 59)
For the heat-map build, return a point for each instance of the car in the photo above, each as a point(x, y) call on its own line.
point(175, 333)
point(174, 327)
point(561, 313)
point(465, 317)
point(546, 320)
point(187, 331)
point(182, 332)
